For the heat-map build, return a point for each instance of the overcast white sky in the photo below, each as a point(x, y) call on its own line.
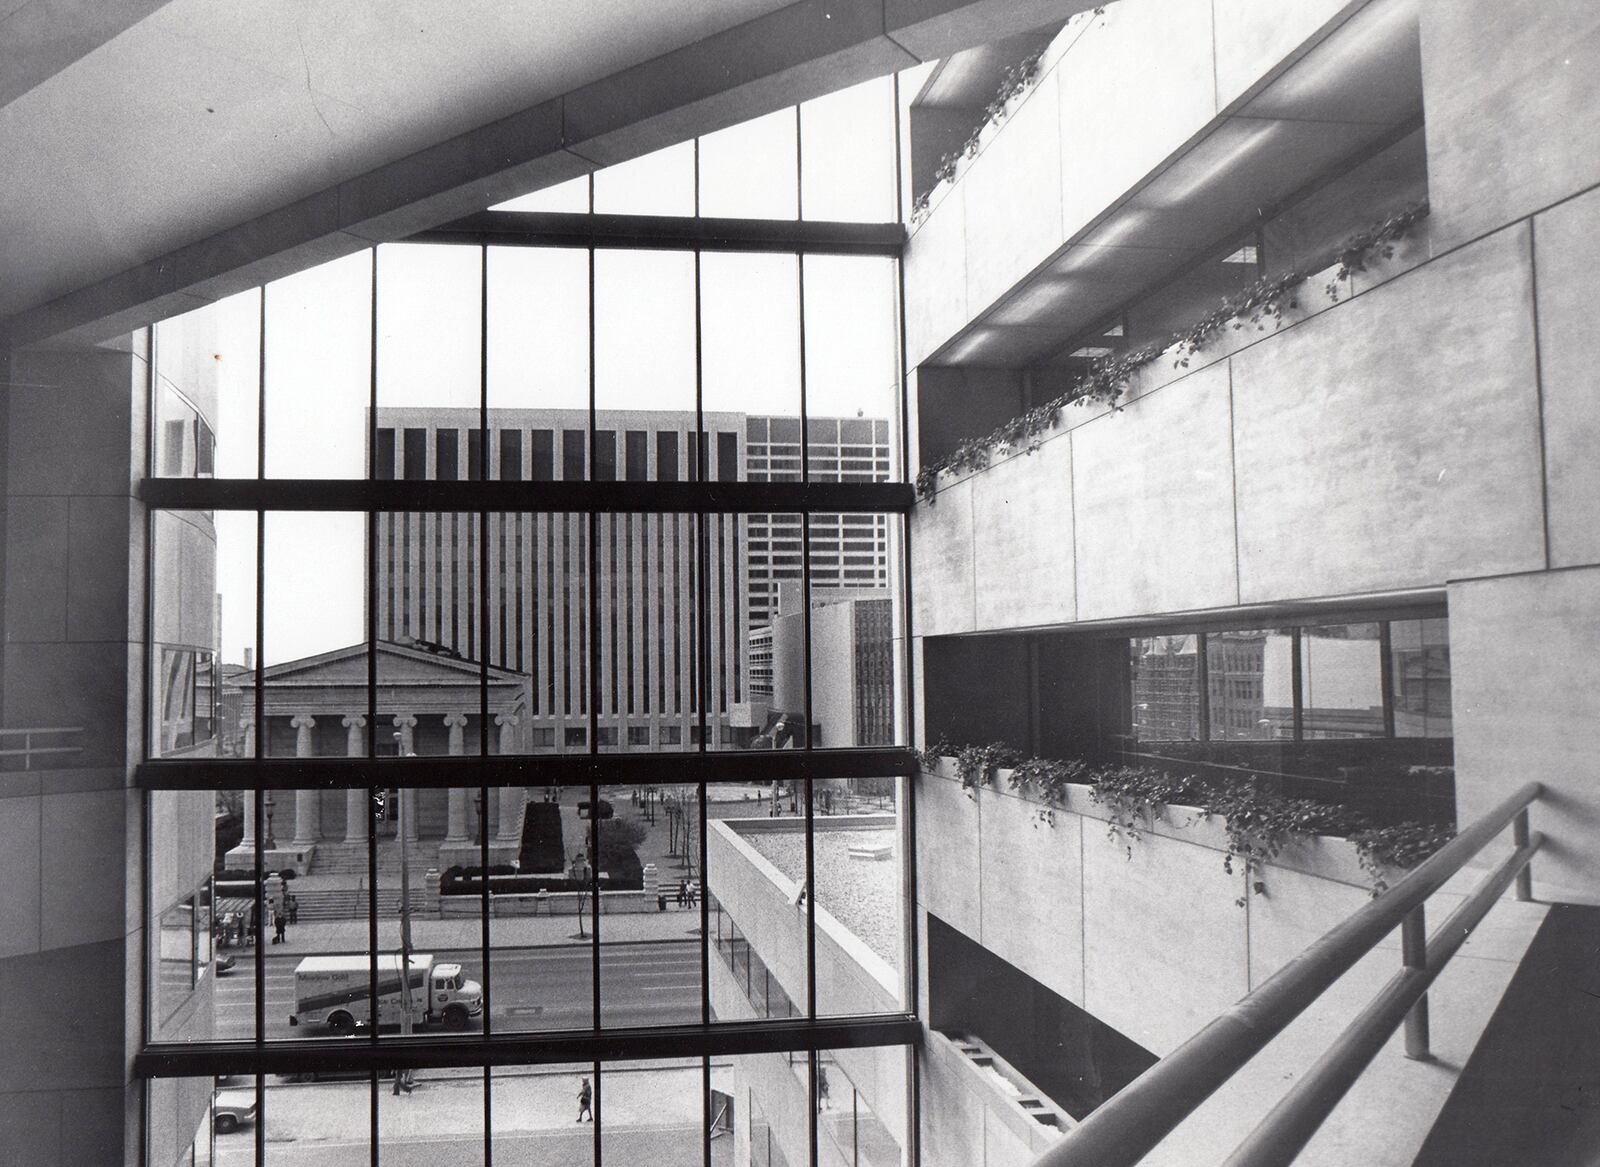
point(318, 349)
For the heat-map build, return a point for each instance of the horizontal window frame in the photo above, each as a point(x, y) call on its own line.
point(667, 233)
point(717, 1039)
point(435, 772)
point(382, 496)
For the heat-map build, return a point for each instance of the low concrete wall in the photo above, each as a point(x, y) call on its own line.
point(1154, 938)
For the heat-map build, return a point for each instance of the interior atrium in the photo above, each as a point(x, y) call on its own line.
point(966, 583)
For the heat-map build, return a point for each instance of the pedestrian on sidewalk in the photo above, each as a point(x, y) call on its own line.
point(294, 910)
point(585, 1096)
point(278, 922)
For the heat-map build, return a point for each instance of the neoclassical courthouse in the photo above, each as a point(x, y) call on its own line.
point(1214, 541)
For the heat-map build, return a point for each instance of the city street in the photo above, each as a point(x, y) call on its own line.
point(649, 1115)
point(546, 987)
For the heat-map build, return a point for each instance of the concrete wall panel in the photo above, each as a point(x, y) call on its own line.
point(1254, 35)
point(1393, 442)
point(941, 563)
point(1170, 950)
point(1567, 258)
point(949, 855)
point(1152, 493)
point(1022, 558)
point(1032, 891)
point(1147, 71)
point(1525, 685)
point(1023, 158)
point(19, 876)
point(1537, 68)
point(936, 277)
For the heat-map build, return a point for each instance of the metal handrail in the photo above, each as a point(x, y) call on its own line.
point(1129, 1125)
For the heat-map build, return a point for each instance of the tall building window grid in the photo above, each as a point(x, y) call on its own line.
point(404, 541)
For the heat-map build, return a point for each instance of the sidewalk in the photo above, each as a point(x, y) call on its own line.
point(429, 933)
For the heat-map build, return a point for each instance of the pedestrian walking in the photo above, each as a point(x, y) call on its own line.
point(585, 1096)
point(822, 1087)
point(278, 922)
point(294, 910)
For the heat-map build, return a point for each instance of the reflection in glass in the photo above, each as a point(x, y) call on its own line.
point(1250, 676)
point(862, 1107)
point(194, 708)
point(1165, 678)
point(1341, 681)
point(1419, 660)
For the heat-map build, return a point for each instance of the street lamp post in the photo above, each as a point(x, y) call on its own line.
point(404, 809)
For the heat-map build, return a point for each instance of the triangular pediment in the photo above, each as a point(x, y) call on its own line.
point(398, 664)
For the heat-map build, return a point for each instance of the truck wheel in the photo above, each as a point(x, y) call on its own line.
point(227, 1124)
point(455, 1017)
point(342, 1023)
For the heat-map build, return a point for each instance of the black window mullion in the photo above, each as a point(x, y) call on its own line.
point(592, 689)
point(372, 712)
point(1297, 679)
point(483, 694)
point(1386, 679)
point(1202, 668)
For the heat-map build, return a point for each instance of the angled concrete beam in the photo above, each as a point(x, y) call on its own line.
point(799, 52)
point(39, 38)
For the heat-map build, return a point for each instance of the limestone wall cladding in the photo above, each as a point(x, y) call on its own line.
point(1389, 440)
point(1537, 68)
point(1154, 938)
point(1525, 683)
point(1151, 75)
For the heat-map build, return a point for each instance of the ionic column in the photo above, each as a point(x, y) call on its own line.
point(510, 796)
point(457, 832)
point(355, 801)
point(307, 803)
point(405, 723)
point(248, 724)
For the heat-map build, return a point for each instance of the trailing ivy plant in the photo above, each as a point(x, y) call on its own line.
point(1047, 779)
point(1134, 795)
point(976, 765)
point(1376, 242)
point(1384, 850)
point(1014, 82)
point(1260, 824)
point(939, 749)
point(1107, 378)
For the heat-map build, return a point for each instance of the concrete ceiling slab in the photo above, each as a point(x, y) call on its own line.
point(207, 140)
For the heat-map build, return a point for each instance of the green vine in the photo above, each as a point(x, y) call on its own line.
point(1047, 779)
point(1107, 378)
point(1383, 850)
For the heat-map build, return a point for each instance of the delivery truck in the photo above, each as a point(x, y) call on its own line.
point(336, 992)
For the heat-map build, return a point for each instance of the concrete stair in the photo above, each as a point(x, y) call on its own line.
point(346, 903)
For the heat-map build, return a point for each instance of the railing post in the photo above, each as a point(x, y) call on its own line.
point(27, 750)
point(1519, 838)
point(1414, 955)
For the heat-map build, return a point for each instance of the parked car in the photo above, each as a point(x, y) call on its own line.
point(233, 1109)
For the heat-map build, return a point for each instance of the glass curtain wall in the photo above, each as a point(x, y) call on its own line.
point(530, 615)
